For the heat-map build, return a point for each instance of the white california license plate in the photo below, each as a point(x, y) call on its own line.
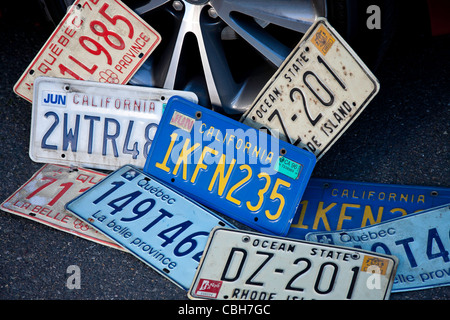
point(97, 40)
point(96, 125)
point(252, 266)
point(317, 92)
point(43, 197)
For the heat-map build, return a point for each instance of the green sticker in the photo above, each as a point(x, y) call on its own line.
point(288, 167)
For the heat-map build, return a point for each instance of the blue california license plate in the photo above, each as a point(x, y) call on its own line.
point(158, 225)
point(421, 241)
point(237, 170)
point(329, 205)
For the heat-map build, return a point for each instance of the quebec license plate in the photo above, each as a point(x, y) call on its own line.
point(332, 205)
point(236, 170)
point(43, 197)
point(96, 125)
point(251, 266)
point(161, 227)
point(97, 40)
point(421, 241)
point(317, 92)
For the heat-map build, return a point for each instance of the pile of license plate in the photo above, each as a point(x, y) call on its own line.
point(224, 209)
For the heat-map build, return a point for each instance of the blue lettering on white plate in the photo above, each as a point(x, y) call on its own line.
point(111, 133)
point(54, 99)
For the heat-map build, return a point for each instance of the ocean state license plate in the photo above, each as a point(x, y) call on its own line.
point(96, 125)
point(317, 92)
point(96, 40)
point(332, 205)
point(421, 241)
point(43, 197)
point(251, 266)
point(158, 225)
point(234, 169)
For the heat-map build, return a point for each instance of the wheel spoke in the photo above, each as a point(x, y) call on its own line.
point(215, 65)
point(240, 15)
point(250, 20)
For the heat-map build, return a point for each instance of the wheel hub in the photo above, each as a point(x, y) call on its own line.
point(223, 50)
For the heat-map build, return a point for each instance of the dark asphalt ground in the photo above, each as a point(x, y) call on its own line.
point(401, 138)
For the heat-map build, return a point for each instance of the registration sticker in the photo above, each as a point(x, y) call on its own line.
point(229, 167)
point(377, 264)
point(287, 167)
point(181, 121)
point(100, 40)
point(323, 40)
point(332, 205)
point(208, 288)
point(421, 241)
point(240, 265)
point(93, 124)
point(161, 227)
point(43, 197)
point(316, 94)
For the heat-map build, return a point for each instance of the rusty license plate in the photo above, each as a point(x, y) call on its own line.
point(97, 40)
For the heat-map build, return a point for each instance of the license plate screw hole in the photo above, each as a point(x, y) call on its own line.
point(63, 155)
point(221, 223)
point(31, 72)
point(434, 193)
point(256, 219)
point(355, 256)
point(283, 151)
point(140, 55)
point(163, 98)
point(245, 239)
point(173, 179)
point(166, 270)
point(198, 114)
point(66, 87)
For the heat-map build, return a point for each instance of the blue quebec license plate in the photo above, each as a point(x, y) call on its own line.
point(158, 225)
point(237, 170)
point(332, 205)
point(421, 241)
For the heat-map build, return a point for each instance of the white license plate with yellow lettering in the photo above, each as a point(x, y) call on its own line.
point(251, 266)
point(317, 92)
